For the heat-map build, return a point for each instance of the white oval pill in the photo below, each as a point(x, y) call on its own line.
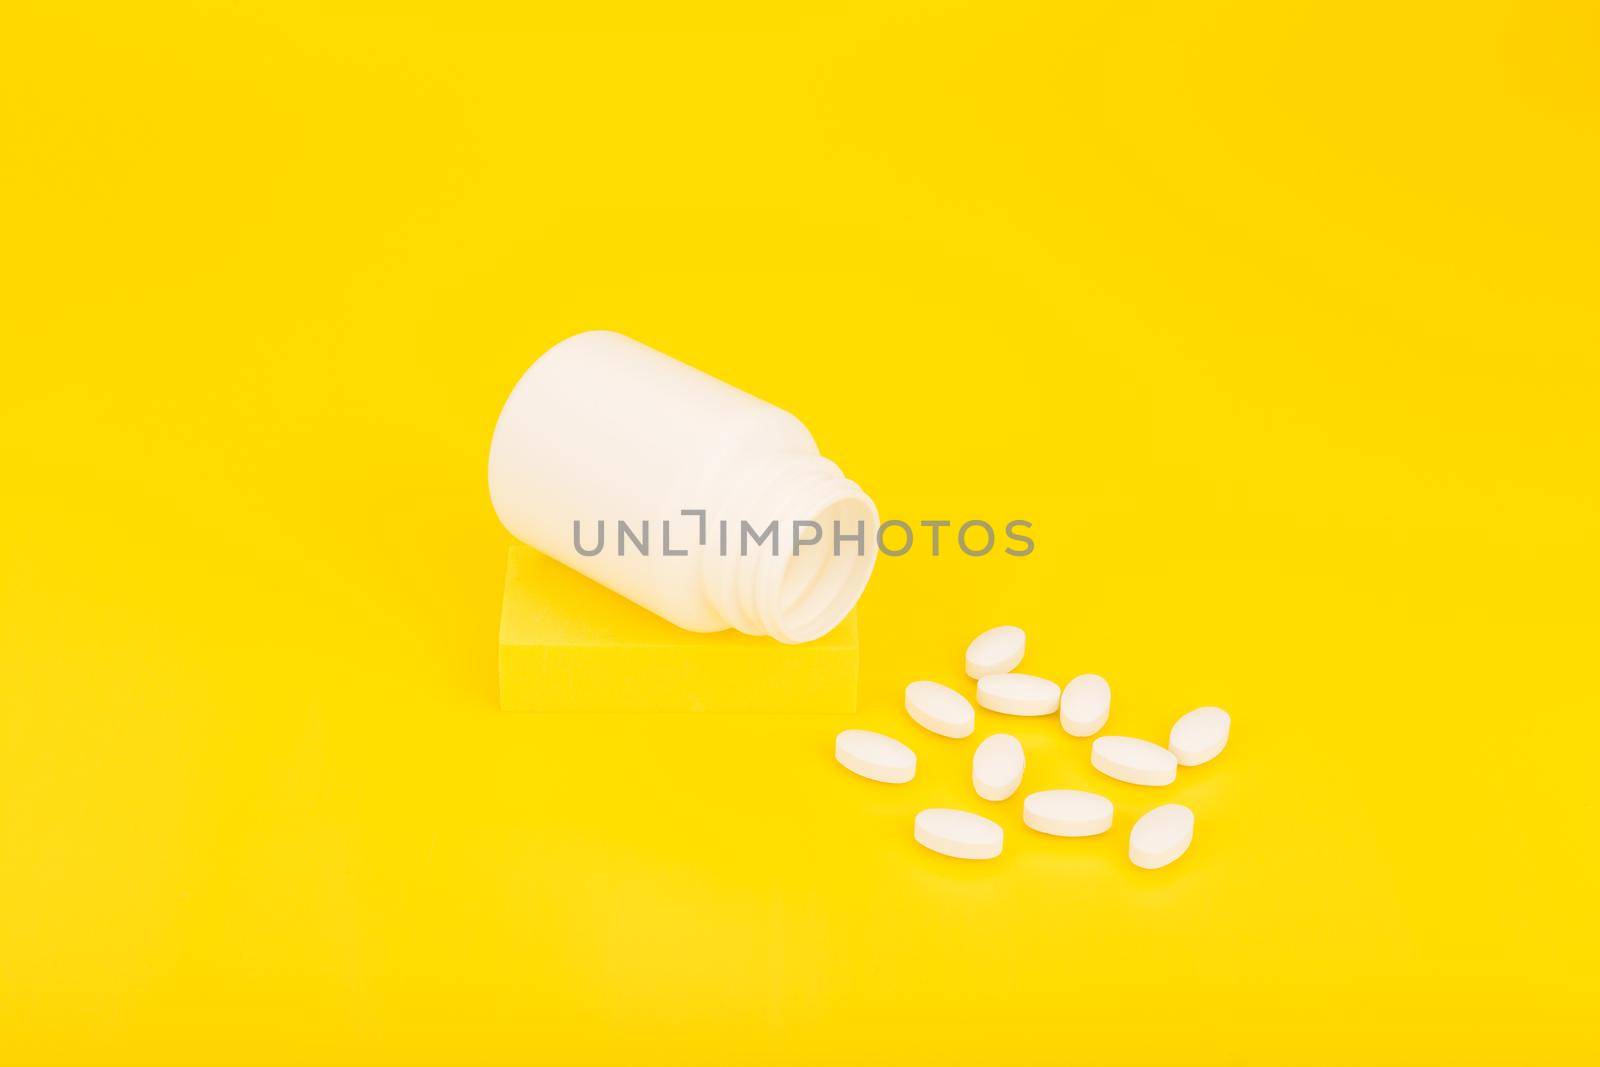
point(958, 833)
point(995, 651)
point(1128, 759)
point(997, 767)
point(1085, 705)
point(1067, 812)
point(1019, 694)
point(1160, 836)
point(940, 709)
point(1199, 736)
point(883, 759)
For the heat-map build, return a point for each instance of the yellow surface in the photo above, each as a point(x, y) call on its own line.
point(568, 644)
point(1278, 321)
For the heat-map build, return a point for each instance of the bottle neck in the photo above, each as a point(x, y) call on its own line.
point(800, 545)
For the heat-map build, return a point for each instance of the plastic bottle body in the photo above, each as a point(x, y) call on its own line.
point(606, 452)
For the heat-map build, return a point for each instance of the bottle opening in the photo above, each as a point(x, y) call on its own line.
point(822, 583)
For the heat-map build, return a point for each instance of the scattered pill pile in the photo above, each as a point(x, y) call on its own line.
point(1159, 836)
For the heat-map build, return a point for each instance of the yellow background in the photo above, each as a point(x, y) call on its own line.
point(1278, 321)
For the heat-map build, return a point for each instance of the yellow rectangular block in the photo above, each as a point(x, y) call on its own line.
point(570, 644)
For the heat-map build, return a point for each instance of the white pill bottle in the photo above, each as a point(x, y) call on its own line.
point(607, 442)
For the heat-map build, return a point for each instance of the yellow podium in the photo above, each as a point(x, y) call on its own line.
point(570, 644)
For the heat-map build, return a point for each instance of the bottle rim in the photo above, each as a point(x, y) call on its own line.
point(802, 595)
